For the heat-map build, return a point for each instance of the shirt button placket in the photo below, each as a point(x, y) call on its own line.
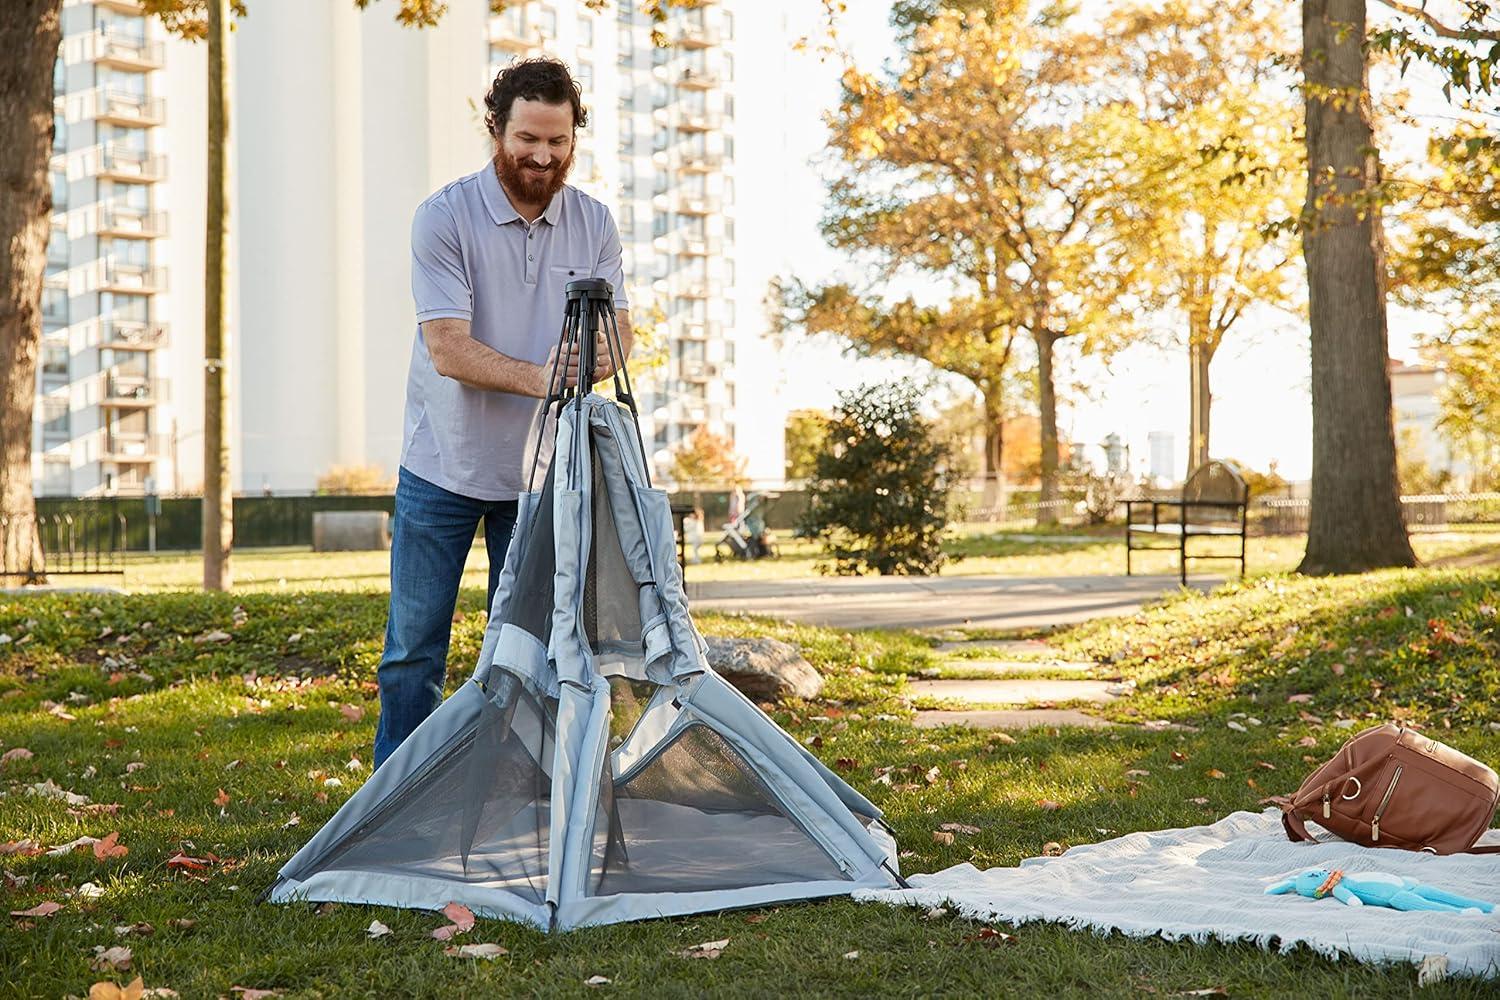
point(530, 256)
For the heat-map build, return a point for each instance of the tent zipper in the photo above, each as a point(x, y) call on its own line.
point(1380, 809)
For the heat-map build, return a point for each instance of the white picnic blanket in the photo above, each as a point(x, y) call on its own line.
point(1206, 882)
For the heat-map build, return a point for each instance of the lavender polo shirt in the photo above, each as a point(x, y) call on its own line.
point(474, 258)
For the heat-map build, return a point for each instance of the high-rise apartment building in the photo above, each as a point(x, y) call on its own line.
point(102, 400)
point(343, 122)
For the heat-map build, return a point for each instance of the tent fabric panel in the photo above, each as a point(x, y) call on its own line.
point(566, 648)
point(575, 706)
point(409, 892)
point(519, 652)
point(611, 606)
point(688, 652)
point(593, 748)
point(595, 910)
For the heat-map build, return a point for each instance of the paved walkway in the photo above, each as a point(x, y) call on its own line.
point(993, 602)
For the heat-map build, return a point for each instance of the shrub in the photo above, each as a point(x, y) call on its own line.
point(878, 496)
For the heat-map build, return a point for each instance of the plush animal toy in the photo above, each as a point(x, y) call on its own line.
point(1378, 889)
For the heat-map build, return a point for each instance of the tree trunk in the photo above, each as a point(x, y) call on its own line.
point(994, 498)
point(1200, 354)
point(218, 495)
point(1046, 512)
point(1354, 520)
point(30, 34)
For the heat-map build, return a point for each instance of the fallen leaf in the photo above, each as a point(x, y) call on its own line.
point(377, 929)
point(935, 912)
point(110, 847)
point(217, 635)
point(942, 837)
point(707, 949)
point(295, 820)
point(1216, 774)
point(141, 929)
point(476, 951)
point(117, 958)
point(1199, 801)
point(990, 938)
point(1048, 805)
point(352, 712)
point(246, 993)
point(959, 828)
point(1236, 726)
point(222, 799)
point(1266, 765)
point(1179, 756)
point(1137, 772)
point(16, 753)
point(1211, 991)
point(597, 981)
point(185, 863)
point(845, 764)
point(49, 790)
point(182, 923)
point(1298, 699)
point(1434, 969)
point(133, 990)
point(25, 848)
point(39, 910)
point(1308, 741)
point(463, 921)
point(1337, 668)
point(89, 891)
point(1052, 849)
point(1005, 738)
point(134, 766)
point(851, 955)
point(71, 846)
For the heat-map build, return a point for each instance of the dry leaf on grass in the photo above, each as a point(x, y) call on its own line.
point(1216, 774)
point(222, 799)
point(39, 910)
point(117, 957)
point(25, 848)
point(706, 949)
point(990, 938)
point(1051, 849)
point(247, 993)
point(217, 635)
point(72, 846)
point(1210, 991)
point(959, 827)
point(353, 713)
point(110, 847)
point(1199, 801)
point(1048, 805)
point(134, 990)
point(463, 921)
point(942, 837)
point(597, 981)
point(851, 955)
point(475, 951)
point(376, 929)
point(16, 753)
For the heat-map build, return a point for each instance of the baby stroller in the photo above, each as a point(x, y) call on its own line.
point(745, 535)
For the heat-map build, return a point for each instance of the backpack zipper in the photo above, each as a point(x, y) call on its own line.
point(1375, 823)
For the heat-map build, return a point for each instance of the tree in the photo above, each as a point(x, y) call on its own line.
point(1213, 161)
point(1448, 264)
point(1354, 518)
point(879, 496)
point(356, 479)
point(707, 459)
point(806, 436)
point(30, 33)
point(978, 162)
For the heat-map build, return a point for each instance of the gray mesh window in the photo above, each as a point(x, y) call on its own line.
point(694, 816)
point(478, 813)
point(611, 601)
point(530, 603)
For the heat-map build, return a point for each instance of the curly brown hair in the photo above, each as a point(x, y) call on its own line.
point(538, 79)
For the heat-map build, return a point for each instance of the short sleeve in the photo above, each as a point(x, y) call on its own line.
point(439, 281)
point(611, 266)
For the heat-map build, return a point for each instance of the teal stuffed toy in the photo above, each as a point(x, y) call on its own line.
point(1378, 889)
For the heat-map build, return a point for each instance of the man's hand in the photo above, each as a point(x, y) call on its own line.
point(547, 379)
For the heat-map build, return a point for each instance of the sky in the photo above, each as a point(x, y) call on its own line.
point(1260, 377)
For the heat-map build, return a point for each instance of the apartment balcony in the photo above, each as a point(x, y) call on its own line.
point(697, 36)
point(691, 290)
point(689, 119)
point(699, 163)
point(128, 335)
point(696, 331)
point(126, 51)
point(700, 371)
point(124, 276)
point(690, 246)
point(696, 204)
point(122, 6)
point(116, 162)
point(121, 220)
point(57, 248)
point(697, 79)
point(128, 391)
point(121, 107)
point(125, 448)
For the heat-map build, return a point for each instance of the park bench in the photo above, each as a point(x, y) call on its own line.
point(1213, 504)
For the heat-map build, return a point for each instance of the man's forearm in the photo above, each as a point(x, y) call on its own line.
point(482, 367)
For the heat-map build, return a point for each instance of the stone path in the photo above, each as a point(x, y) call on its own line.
point(1015, 692)
point(1005, 693)
point(938, 602)
point(1010, 719)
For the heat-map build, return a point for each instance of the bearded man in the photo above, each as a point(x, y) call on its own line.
point(491, 255)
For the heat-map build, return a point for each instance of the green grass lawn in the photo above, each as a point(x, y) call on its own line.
point(975, 550)
point(235, 750)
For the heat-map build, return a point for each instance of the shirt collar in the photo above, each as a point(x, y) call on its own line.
point(498, 202)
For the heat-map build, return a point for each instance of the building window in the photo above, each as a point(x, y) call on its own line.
point(56, 421)
point(586, 76)
point(659, 94)
point(659, 224)
point(729, 148)
point(659, 140)
point(729, 230)
point(728, 105)
point(547, 22)
point(728, 63)
point(55, 305)
point(586, 29)
point(727, 19)
point(57, 475)
point(55, 359)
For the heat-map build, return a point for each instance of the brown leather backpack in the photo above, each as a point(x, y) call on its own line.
point(1392, 787)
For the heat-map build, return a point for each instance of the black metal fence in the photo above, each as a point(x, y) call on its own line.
point(73, 543)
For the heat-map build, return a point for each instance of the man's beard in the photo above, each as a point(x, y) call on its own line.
point(528, 185)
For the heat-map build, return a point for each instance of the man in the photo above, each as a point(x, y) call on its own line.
point(491, 255)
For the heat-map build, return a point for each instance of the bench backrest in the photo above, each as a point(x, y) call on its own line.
point(1215, 483)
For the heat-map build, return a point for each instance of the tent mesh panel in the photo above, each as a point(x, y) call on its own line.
point(485, 795)
point(696, 817)
point(611, 601)
point(530, 602)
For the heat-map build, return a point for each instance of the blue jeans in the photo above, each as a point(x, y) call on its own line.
point(430, 540)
